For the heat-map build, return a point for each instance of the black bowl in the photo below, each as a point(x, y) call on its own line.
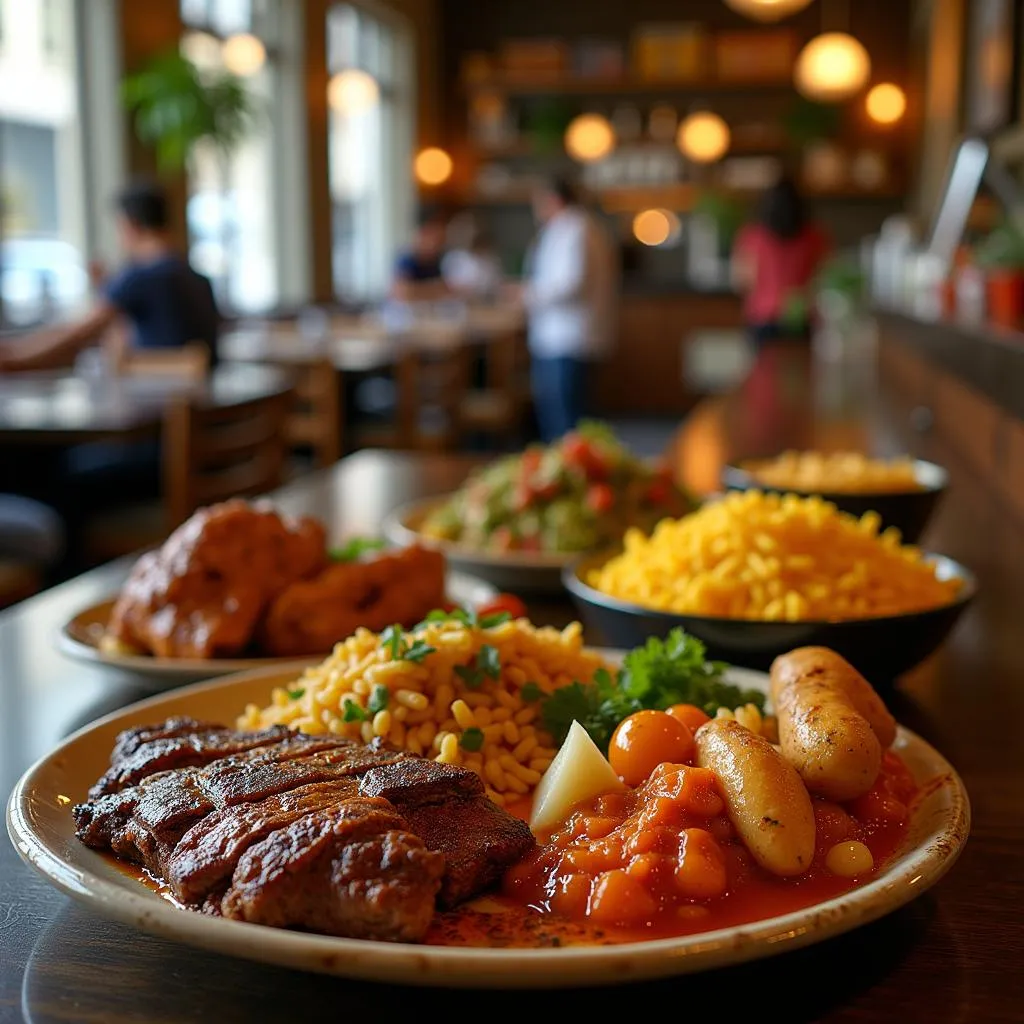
point(908, 511)
point(880, 648)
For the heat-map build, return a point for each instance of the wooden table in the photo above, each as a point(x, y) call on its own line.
point(952, 955)
point(62, 407)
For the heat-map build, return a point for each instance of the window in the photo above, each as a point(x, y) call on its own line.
point(230, 209)
point(42, 200)
point(370, 148)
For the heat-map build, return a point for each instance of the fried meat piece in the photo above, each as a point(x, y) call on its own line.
point(203, 593)
point(311, 616)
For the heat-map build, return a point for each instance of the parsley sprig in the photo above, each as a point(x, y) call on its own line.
point(657, 675)
point(486, 665)
point(467, 617)
point(354, 549)
point(394, 642)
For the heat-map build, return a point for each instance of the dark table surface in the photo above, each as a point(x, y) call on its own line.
point(952, 955)
point(61, 407)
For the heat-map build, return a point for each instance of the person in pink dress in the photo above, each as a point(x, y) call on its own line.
point(774, 263)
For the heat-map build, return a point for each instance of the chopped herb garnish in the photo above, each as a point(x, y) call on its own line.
point(531, 693)
point(418, 651)
point(353, 712)
point(470, 675)
point(472, 739)
point(437, 615)
point(393, 641)
point(497, 619)
point(378, 699)
point(295, 694)
point(489, 661)
point(355, 548)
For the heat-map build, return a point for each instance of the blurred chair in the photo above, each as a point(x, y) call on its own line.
point(31, 542)
point(209, 455)
point(497, 409)
point(315, 416)
point(191, 362)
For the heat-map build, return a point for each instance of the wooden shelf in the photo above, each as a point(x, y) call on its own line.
point(576, 85)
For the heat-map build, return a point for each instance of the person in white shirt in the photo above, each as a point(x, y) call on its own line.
point(570, 294)
point(470, 267)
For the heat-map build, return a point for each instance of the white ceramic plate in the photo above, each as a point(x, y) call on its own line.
point(80, 639)
point(510, 570)
point(41, 827)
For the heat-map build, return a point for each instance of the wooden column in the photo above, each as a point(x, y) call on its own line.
point(148, 30)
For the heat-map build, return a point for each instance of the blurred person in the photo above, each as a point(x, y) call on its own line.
point(570, 293)
point(418, 276)
point(774, 264)
point(156, 301)
point(471, 267)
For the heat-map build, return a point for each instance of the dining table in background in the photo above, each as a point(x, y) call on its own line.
point(951, 955)
point(62, 407)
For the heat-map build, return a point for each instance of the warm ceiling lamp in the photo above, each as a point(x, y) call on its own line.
point(886, 103)
point(432, 166)
point(655, 227)
point(243, 54)
point(703, 137)
point(832, 67)
point(352, 92)
point(202, 49)
point(589, 137)
point(767, 10)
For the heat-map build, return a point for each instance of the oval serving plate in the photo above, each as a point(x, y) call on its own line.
point(511, 570)
point(80, 639)
point(40, 825)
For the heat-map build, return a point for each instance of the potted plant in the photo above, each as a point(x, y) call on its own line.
point(178, 106)
point(1001, 256)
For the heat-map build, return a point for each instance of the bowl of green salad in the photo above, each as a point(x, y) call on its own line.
point(519, 520)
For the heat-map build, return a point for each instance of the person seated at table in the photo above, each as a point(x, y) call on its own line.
point(774, 263)
point(471, 267)
point(418, 276)
point(157, 301)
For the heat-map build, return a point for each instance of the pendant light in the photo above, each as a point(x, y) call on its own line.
point(703, 137)
point(589, 137)
point(834, 65)
point(432, 166)
point(767, 10)
point(886, 103)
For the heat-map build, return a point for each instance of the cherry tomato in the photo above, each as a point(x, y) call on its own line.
point(579, 453)
point(503, 539)
point(689, 714)
point(646, 739)
point(659, 492)
point(600, 497)
point(530, 463)
point(504, 603)
point(531, 543)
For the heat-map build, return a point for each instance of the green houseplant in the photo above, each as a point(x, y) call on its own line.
point(177, 107)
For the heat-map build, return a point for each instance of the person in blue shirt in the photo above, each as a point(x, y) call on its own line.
point(156, 301)
point(418, 274)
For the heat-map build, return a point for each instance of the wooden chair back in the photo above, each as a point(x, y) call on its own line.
point(315, 416)
point(212, 454)
point(191, 362)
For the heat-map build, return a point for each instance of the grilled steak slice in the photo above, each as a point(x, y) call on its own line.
point(145, 823)
point(207, 854)
point(446, 807)
point(351, 870)
point(184, 751)
point(130, 740)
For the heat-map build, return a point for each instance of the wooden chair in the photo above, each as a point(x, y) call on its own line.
point(211, 455)
point(496, 410)
point(189, 363)
point(315, 417)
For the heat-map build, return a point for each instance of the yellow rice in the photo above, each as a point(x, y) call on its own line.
point(835, 473)
point(770, 557)
point(429, 708)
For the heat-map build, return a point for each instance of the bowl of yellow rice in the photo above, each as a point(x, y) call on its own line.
point(903, 491)
point(756, 574)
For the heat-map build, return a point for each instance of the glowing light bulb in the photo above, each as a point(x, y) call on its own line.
point(703, 137)
point(433, 166)
point(655, 227)
point(832, 67)
point(767, 10)
point(886, 103)
point(589, 137)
